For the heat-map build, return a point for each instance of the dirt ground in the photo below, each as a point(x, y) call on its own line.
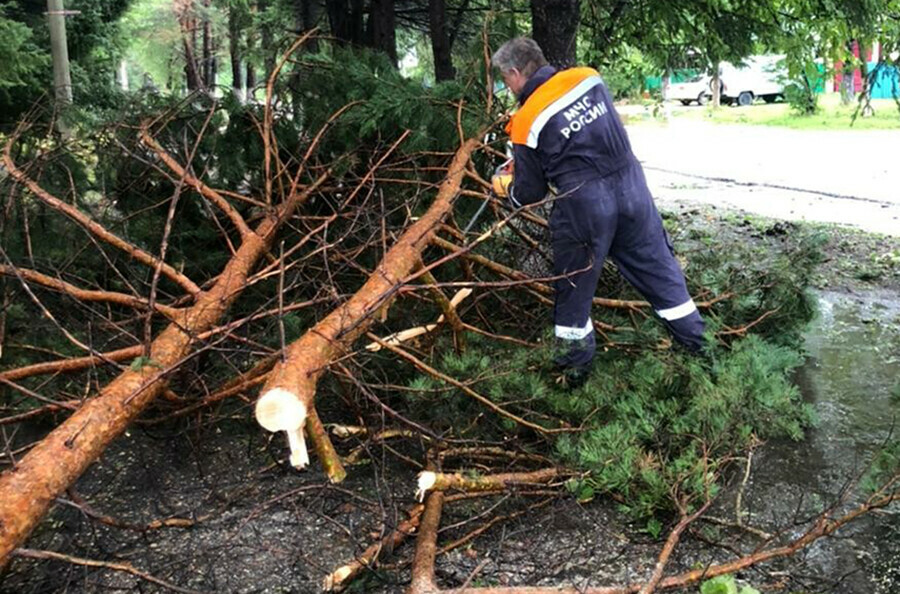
point(261, 527)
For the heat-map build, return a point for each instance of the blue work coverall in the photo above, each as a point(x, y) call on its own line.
point(567, 134)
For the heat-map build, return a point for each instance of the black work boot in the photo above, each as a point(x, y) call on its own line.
point(572, 378)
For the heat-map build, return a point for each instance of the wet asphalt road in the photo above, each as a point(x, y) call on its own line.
point(850, 177)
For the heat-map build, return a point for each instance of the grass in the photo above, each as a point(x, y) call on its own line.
point(831, 116)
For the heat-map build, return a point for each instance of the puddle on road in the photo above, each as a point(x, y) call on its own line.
point(853, 367)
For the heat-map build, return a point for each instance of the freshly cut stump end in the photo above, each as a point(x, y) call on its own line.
point(280, 410)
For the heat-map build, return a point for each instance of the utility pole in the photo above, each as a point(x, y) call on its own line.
point(62, 81)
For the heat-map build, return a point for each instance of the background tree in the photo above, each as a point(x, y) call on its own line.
point(555, 25)
point(440, 40)
point(62, 80)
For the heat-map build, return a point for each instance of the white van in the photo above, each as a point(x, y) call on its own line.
point(761, 76)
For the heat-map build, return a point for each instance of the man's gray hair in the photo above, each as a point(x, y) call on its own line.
point(521, 53)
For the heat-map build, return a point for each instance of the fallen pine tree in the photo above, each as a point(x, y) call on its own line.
point(376, 251)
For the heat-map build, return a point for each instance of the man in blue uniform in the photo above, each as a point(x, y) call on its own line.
point(567, 134)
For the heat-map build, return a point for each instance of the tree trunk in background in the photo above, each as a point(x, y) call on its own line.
point(346, 20)
point(306, 16)
point(847, 83)
point(234, 51)
point(554, 25)
point(251, 80)
point(191, 72)
point(440, 42)
point(59, 49)
point(267, 40)
point(208, 59)
point(865, 92)
point(381, 28)
point(187, 22)
point(716, 88)
point(122, 76)
point(847, 76)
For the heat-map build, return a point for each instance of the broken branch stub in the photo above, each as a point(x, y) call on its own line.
point(306, 357)
point(429, 480)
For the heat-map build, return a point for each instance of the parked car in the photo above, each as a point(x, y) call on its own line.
point(694, 89)
point(760, 76)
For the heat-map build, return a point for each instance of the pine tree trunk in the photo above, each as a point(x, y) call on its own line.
point(234, 51)
point(716, 88)
point(306, 16)
point(440, 42)
point(187, 22)
point(554, 27)
point(346, 20)
point(59, 49)
point(251, 81)
point(267, 42)
point(191, 73)
point(865, 93)
point(208, 81)
point(381, 28)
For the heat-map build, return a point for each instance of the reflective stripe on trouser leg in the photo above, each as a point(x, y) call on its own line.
point(573, 328)
point(644, 256)
point(575, 352)
point(685, 324)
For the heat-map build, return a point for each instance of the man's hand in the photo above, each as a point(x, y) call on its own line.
point(503, 179)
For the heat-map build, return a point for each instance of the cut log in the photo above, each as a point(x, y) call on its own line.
point(307, 357)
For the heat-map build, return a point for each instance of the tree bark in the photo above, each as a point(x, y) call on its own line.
point(251, 80)
point(267, 42)
point(554, 25)
point(440, 41)
point(306, 17)
point(192, 76)
point(208, 58)
point(59, 49)
point(187, 22)
point(381, 29)
point(865, 92)
point(346, 20)
point(716, 87)
point(234, 51)
point(50, 467)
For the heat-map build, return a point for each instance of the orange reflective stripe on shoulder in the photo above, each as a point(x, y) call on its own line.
point(520, 124)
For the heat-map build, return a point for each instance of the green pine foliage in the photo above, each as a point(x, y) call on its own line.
point(23, 61)
point(653, 424)
point(390, 103)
